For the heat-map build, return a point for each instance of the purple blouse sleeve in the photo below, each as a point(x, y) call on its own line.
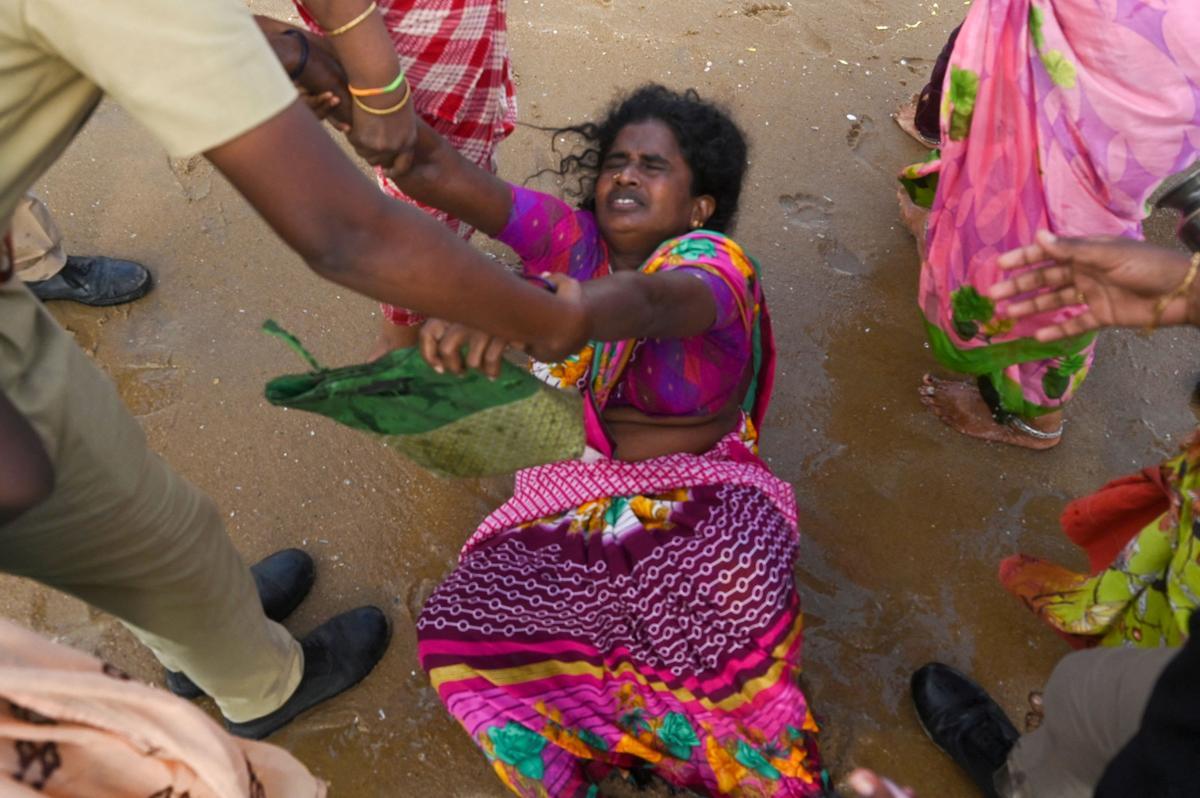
point(550, 236)
point(698, 375)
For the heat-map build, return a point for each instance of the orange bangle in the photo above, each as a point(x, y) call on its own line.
point(388, 89)
point(385, 111)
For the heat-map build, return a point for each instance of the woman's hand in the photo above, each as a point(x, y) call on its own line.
point(442, 345)
point(318, 74)
point(423, 160)
point(1118, 281)
point(386, 140)
point(322, 84)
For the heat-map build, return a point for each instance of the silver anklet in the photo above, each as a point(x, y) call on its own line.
point(1020, 426)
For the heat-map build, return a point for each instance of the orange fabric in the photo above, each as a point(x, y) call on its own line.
point(1102, 523)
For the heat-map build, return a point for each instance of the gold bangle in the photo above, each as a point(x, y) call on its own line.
point(354, 22)
point(385, 111)
point(1180, 291)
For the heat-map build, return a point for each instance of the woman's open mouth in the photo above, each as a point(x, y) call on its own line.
point(623, 201)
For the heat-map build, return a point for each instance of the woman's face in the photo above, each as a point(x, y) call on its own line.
point(644, 190)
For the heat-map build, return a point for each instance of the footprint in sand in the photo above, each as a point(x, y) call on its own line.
point(194, 176)
point(806, 211)
point(766, 10)
point(811, 214)
point(915, 64)
point(860, 128)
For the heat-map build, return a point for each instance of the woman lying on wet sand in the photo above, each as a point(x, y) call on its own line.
point(1058, 114)
point(635, 611)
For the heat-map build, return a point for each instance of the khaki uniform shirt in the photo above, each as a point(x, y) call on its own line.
point(196, 73)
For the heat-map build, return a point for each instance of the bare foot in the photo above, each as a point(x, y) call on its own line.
point(906, 119)
point(912, 214)
point(393, 336)
point(960, 406)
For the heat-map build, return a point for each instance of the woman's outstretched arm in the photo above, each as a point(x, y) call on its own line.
point(620, 307)
point(442, 178)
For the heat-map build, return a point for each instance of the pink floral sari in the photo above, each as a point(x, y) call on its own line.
point(1058, 114)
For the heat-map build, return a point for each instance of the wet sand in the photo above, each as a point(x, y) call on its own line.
point(904, 521)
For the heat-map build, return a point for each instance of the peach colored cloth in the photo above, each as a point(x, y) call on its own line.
point(71, 725)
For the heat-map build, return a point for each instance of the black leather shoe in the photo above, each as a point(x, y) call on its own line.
point(95, 281)
point(283, 580)
point(338, 654)
point(962, 720)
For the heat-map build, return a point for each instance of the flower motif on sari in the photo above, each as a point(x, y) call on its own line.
point(515, 745)
point(725, 767)
point(689, 249)
point(678, 735)
point(1057, 379)
point(567, 374)
point(964, 87)
point(1061, 71)
point(753, 759)
point(974, 315)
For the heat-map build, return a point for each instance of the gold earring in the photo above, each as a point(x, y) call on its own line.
point(695, 224)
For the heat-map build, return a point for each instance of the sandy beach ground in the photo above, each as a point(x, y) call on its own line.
point(904, 521)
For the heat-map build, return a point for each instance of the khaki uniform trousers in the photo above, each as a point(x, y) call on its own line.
point(1094, 704)
point(37, 243)
point(125, 533)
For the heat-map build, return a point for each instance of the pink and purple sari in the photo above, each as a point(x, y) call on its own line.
point(1056, 114)
point(637, 617)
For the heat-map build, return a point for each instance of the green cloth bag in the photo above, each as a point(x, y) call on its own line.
point(463, 426)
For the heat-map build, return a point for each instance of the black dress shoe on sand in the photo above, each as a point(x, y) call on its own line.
point(962, 720)
point(97, 281)
point(283, 580)
point(338, 654)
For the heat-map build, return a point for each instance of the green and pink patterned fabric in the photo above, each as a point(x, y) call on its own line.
point(1057, 114)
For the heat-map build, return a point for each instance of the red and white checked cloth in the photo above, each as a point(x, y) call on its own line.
point(547, 490)
point(455, 53)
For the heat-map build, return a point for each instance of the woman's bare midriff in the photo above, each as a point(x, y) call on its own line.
point(637, 436)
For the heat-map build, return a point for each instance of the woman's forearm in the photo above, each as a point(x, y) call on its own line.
point(442, 178)
point(366, 51)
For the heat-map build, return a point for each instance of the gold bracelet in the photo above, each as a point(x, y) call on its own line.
point(385, 111)
point(1180, 291)
point(354, 22)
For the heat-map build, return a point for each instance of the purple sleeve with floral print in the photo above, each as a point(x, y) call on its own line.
point(550, 236)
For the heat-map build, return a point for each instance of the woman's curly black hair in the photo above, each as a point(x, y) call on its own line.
point(712, 144)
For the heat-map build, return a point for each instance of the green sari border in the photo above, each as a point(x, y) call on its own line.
point(991, 361)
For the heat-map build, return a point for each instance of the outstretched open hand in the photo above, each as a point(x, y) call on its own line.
point(1118, 282)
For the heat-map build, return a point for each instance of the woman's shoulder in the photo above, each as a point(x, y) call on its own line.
point(708, 250)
